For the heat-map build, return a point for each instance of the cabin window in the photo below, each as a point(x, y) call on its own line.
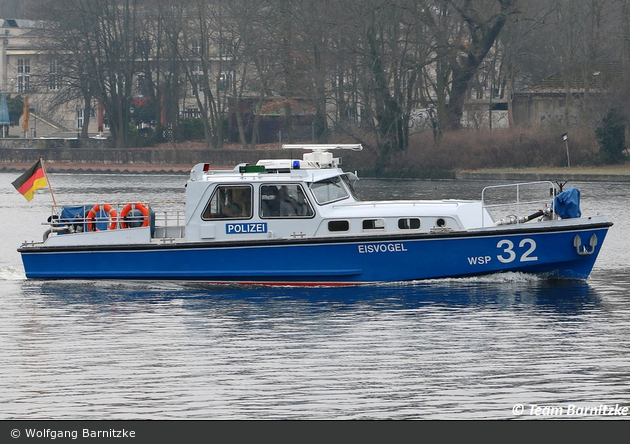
point(409, 224)
point(338, 225)
point(281, 201)
point(229, 202)
point(374, 224)
point(328, 190)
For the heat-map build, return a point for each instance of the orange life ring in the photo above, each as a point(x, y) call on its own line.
point(138, 206)
point(91, 216)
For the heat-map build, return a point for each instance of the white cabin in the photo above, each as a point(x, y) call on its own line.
point(274, 199)
point(311, 197)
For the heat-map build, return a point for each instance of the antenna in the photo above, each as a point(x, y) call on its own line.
point(323, 146)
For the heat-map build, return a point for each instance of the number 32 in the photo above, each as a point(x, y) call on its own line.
point(511, 255)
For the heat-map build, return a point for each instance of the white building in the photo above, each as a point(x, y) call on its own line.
point(30, 74)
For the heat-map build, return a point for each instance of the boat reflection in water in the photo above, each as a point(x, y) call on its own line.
point(509, 291)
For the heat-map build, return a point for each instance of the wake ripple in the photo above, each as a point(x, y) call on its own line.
point(11, 274)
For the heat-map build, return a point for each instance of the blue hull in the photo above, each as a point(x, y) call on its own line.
point(550, 252)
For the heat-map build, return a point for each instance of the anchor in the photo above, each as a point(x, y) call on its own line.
point(582, 250)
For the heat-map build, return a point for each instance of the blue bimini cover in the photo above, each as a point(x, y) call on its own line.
point(567, 204)
point(75, 215)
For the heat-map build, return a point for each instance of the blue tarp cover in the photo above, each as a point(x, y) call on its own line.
point(75, 215)
point(4, 110)
point(567, 204)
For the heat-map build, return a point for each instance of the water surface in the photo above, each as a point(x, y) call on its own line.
point(440, 349)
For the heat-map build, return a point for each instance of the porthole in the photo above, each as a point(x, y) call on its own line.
point(338, 225)
point(440, 222)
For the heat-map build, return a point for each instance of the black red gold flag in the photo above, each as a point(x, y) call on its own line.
point(33, 179)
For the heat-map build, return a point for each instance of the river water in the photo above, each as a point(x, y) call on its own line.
point(476, 348)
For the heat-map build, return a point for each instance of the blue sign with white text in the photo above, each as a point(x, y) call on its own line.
point(248, 228)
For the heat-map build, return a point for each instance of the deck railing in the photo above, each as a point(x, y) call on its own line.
point(522, 204)
point(117, 215)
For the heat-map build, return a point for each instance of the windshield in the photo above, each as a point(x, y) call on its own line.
point(329, 190)
point(350, 179)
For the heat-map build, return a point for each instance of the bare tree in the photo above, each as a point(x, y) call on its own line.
point(518, 50)
point(465, 31)
point(158, 76)
point(363, 65)
point(249, 26)
point(410, 54)
point(66, 73)
point(95, 39)
point(380, 49)
point(196, 38)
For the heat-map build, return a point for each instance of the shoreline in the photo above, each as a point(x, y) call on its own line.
point(90, 168)
point(609, 173)
point(616, 173)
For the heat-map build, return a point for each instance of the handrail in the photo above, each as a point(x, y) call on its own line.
point(162, 217)
point(153, 202)
point(518, 218)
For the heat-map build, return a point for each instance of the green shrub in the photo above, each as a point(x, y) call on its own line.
point(612, 137)
point(16, 109)
point(192, 129)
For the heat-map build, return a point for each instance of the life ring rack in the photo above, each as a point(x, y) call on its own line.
point(134, 206)
point(91, 216)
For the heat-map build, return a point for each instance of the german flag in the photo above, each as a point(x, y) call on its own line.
point(32, 180)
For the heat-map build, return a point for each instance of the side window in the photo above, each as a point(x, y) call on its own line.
point(229, 202)
point(374, 224)
point(409, 224)
point(284, 201)
point(338, 225)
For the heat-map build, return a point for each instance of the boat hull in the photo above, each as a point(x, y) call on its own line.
point(566, 251)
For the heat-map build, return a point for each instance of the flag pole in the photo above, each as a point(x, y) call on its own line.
point(48, 180)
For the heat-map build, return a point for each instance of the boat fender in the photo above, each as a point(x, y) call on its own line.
point(134, 206)
point(91, 216)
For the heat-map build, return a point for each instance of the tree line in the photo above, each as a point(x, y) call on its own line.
point(360, 66)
